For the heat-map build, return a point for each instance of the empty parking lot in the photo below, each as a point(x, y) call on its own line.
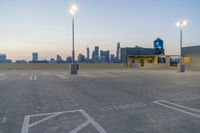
point(99, 100)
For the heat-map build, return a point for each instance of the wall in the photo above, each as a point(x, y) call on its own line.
point(155, 66)
point(61, 66)
point(195, 59)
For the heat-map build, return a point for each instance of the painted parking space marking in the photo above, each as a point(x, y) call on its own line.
point(61, 76)
point(45, 73)
point(87, 75)
point(107, 74)
point(24, 74)
point(30, 78)
point(180, 108)
point(80, 127)
point(33, 77)
point(3, 77)
point(3, 120)
point(122, 107)
point(89, 120)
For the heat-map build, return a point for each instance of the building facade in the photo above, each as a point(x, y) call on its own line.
point(118, 52)
point(159, 47)
point(35, 57)
point(133, 52)
point(88, 55)
point(105, 56)
point(81, 58)
point(191, 56)
point(2, 58)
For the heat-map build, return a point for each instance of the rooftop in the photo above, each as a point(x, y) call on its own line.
point(99, 100)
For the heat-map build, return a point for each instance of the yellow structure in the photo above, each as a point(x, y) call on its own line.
point(142, 59)
point(187, 60)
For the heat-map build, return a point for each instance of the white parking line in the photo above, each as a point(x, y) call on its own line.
point(90, 120)
point(45, 73)
point(24, 74)
point(30, 78)
point(178, 107)
point(76, 130)
point(93, 122)
point(62, 76)
point(35, 77)
point(3, 120)
point(3, 77)
point(59, 76)
point(181, 106)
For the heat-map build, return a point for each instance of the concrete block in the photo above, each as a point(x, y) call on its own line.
point(181, 68)
point(73, 68)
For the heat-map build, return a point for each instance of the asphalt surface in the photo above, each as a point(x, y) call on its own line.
point(105, 101)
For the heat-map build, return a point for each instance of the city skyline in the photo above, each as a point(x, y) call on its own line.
point(45, 26)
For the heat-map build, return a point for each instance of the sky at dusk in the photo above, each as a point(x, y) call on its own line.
point(44, 26)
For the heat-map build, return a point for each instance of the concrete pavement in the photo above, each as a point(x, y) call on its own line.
point(101, 100)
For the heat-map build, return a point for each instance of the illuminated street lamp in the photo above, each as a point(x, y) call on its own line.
point(73, 65)
point(181, 24)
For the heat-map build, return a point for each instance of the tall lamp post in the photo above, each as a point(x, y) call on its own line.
point(73, 65)
point(181, 24)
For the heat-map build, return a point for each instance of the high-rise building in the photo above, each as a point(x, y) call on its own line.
point(118, 52)
point(112, 58)
point(52, 60)
point(34, 56)
point(96, 49)
point(88, 55)
point(105, 56)
point(81, 58)
point(69, 59)
point(2, 58)
point(95, 54)
point(58, 59)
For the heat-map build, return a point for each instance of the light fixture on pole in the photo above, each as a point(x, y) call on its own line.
point(181, 24)
point(73, 65)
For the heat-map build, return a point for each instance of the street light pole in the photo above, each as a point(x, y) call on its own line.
point(181, 24)
point(181, 43)
point(73, 65)
point(73, 52)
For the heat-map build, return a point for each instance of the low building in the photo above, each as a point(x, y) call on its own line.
point(141, 56)
point(21, 62)
point(191, 56)
point(138, 55)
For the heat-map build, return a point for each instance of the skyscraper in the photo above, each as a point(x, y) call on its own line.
point(96, 54)
point(81, 58)
point(105, 56)
point(2, 58)
point(58, 59)
point(34, 56)
point(88, 54)
point(112, 58)
point(96, 49)
point(118, 51)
